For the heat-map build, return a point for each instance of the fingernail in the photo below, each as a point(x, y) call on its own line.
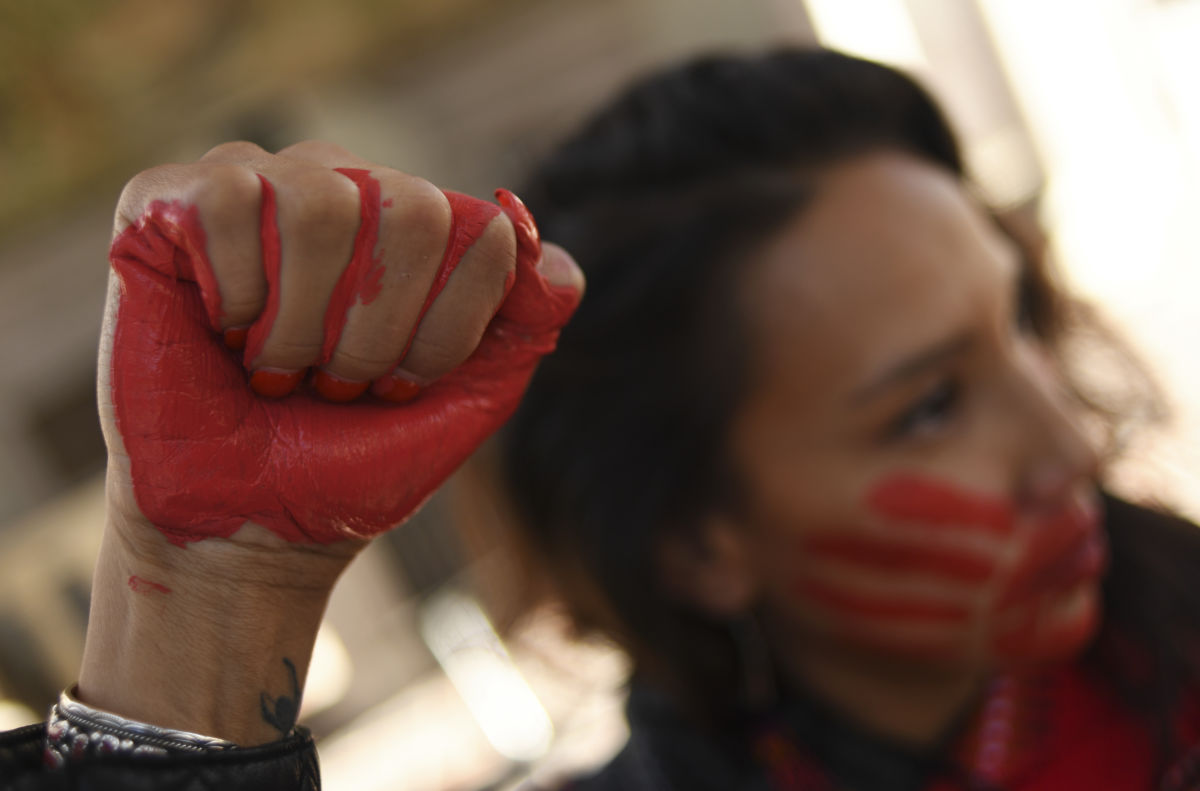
point(528, 238)
point(235, 338)
point(509, 200)
point(395, 388)
point(335, 388)
point(274, 383)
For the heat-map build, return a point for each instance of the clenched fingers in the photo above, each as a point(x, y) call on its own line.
point(317, 259)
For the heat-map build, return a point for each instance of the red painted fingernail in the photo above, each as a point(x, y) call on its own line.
point(274, 383)
point(528, 237)
point(235, 338)
point(335, 388)
point(395, 388)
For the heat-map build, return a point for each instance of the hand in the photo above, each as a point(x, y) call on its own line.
point(420, 316)
point(444, 285)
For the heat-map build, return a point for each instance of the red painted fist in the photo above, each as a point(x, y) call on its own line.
point(343, 281)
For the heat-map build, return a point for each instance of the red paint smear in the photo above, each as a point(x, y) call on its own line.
point(181, 245)
point(909, 498)
point(1064, 550)
point(529, 244)
point(387, 204)
point(864, 605)
point(139, 585)
point(1032, 639)
point(361, 280)
point(875, 554)
point(207, 454)
point(469, 218)
point(272, 254)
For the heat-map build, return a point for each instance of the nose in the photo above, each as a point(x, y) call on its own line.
point(1059, 456)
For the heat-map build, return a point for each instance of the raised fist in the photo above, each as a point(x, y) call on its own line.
point(311, 342)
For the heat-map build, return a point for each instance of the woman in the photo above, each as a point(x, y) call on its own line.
point(806, 451)
point(809, 454)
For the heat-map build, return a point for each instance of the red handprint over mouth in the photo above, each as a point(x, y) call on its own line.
point(945, 572)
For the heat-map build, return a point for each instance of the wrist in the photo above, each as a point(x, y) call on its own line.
point(213, 637)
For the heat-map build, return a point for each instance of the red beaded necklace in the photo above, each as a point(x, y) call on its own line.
point(1001, 744)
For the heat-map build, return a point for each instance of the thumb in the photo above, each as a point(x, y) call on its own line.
point(548, 285)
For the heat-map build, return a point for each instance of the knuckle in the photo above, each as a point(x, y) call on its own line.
point(325, 201)
point(161, 183)
point(235, 151)
point(499, 242)
point(147, 186)
point(497, 246)
point(219, 191)
point(225, 190)
point(422, 207)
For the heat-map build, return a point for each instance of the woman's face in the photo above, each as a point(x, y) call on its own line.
point(917, 486)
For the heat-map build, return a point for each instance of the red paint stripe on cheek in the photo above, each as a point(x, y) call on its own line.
point(910, 498)
point(139, 585)
point(945, 563)
point(862, 605)
point(1062, 552)
point(1048, 626)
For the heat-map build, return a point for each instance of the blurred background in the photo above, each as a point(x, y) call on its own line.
point(1083, 113)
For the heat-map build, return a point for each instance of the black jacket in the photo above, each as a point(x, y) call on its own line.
point(288, 765)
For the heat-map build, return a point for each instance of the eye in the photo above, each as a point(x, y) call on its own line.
point(929, 413)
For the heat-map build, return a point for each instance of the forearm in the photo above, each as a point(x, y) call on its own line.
point(213, 638)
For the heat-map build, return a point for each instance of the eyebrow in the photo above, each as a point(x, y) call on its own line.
point(913, 366)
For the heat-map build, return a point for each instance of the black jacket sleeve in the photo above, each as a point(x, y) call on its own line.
point(288, 765)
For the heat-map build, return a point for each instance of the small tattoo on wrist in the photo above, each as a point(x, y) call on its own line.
point(282, 712)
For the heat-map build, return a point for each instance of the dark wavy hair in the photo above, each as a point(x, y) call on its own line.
point(663, 198)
